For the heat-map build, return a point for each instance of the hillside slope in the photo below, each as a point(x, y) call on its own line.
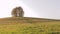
point(26, 19)
point(25, 25)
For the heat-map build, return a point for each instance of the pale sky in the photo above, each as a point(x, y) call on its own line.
point(32, 8)
point(6, 7)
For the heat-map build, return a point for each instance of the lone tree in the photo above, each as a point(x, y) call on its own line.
point(17, 12)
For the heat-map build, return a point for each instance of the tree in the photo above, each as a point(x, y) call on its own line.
point(17, 12)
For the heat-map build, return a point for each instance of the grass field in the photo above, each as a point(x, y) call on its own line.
point(29, 26)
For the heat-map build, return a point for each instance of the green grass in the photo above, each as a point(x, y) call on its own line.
point(28, 27)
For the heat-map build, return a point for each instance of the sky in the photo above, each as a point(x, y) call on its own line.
point(6, 7)
point(32, 8)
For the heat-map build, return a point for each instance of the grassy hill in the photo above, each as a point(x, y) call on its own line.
point(27, 25)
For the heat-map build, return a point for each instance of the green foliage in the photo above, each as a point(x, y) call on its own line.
point(28, 26)
point(54, 33)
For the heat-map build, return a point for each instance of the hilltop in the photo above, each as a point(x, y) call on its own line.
point(28, 25)
point(25, 20)
point(14, 20)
